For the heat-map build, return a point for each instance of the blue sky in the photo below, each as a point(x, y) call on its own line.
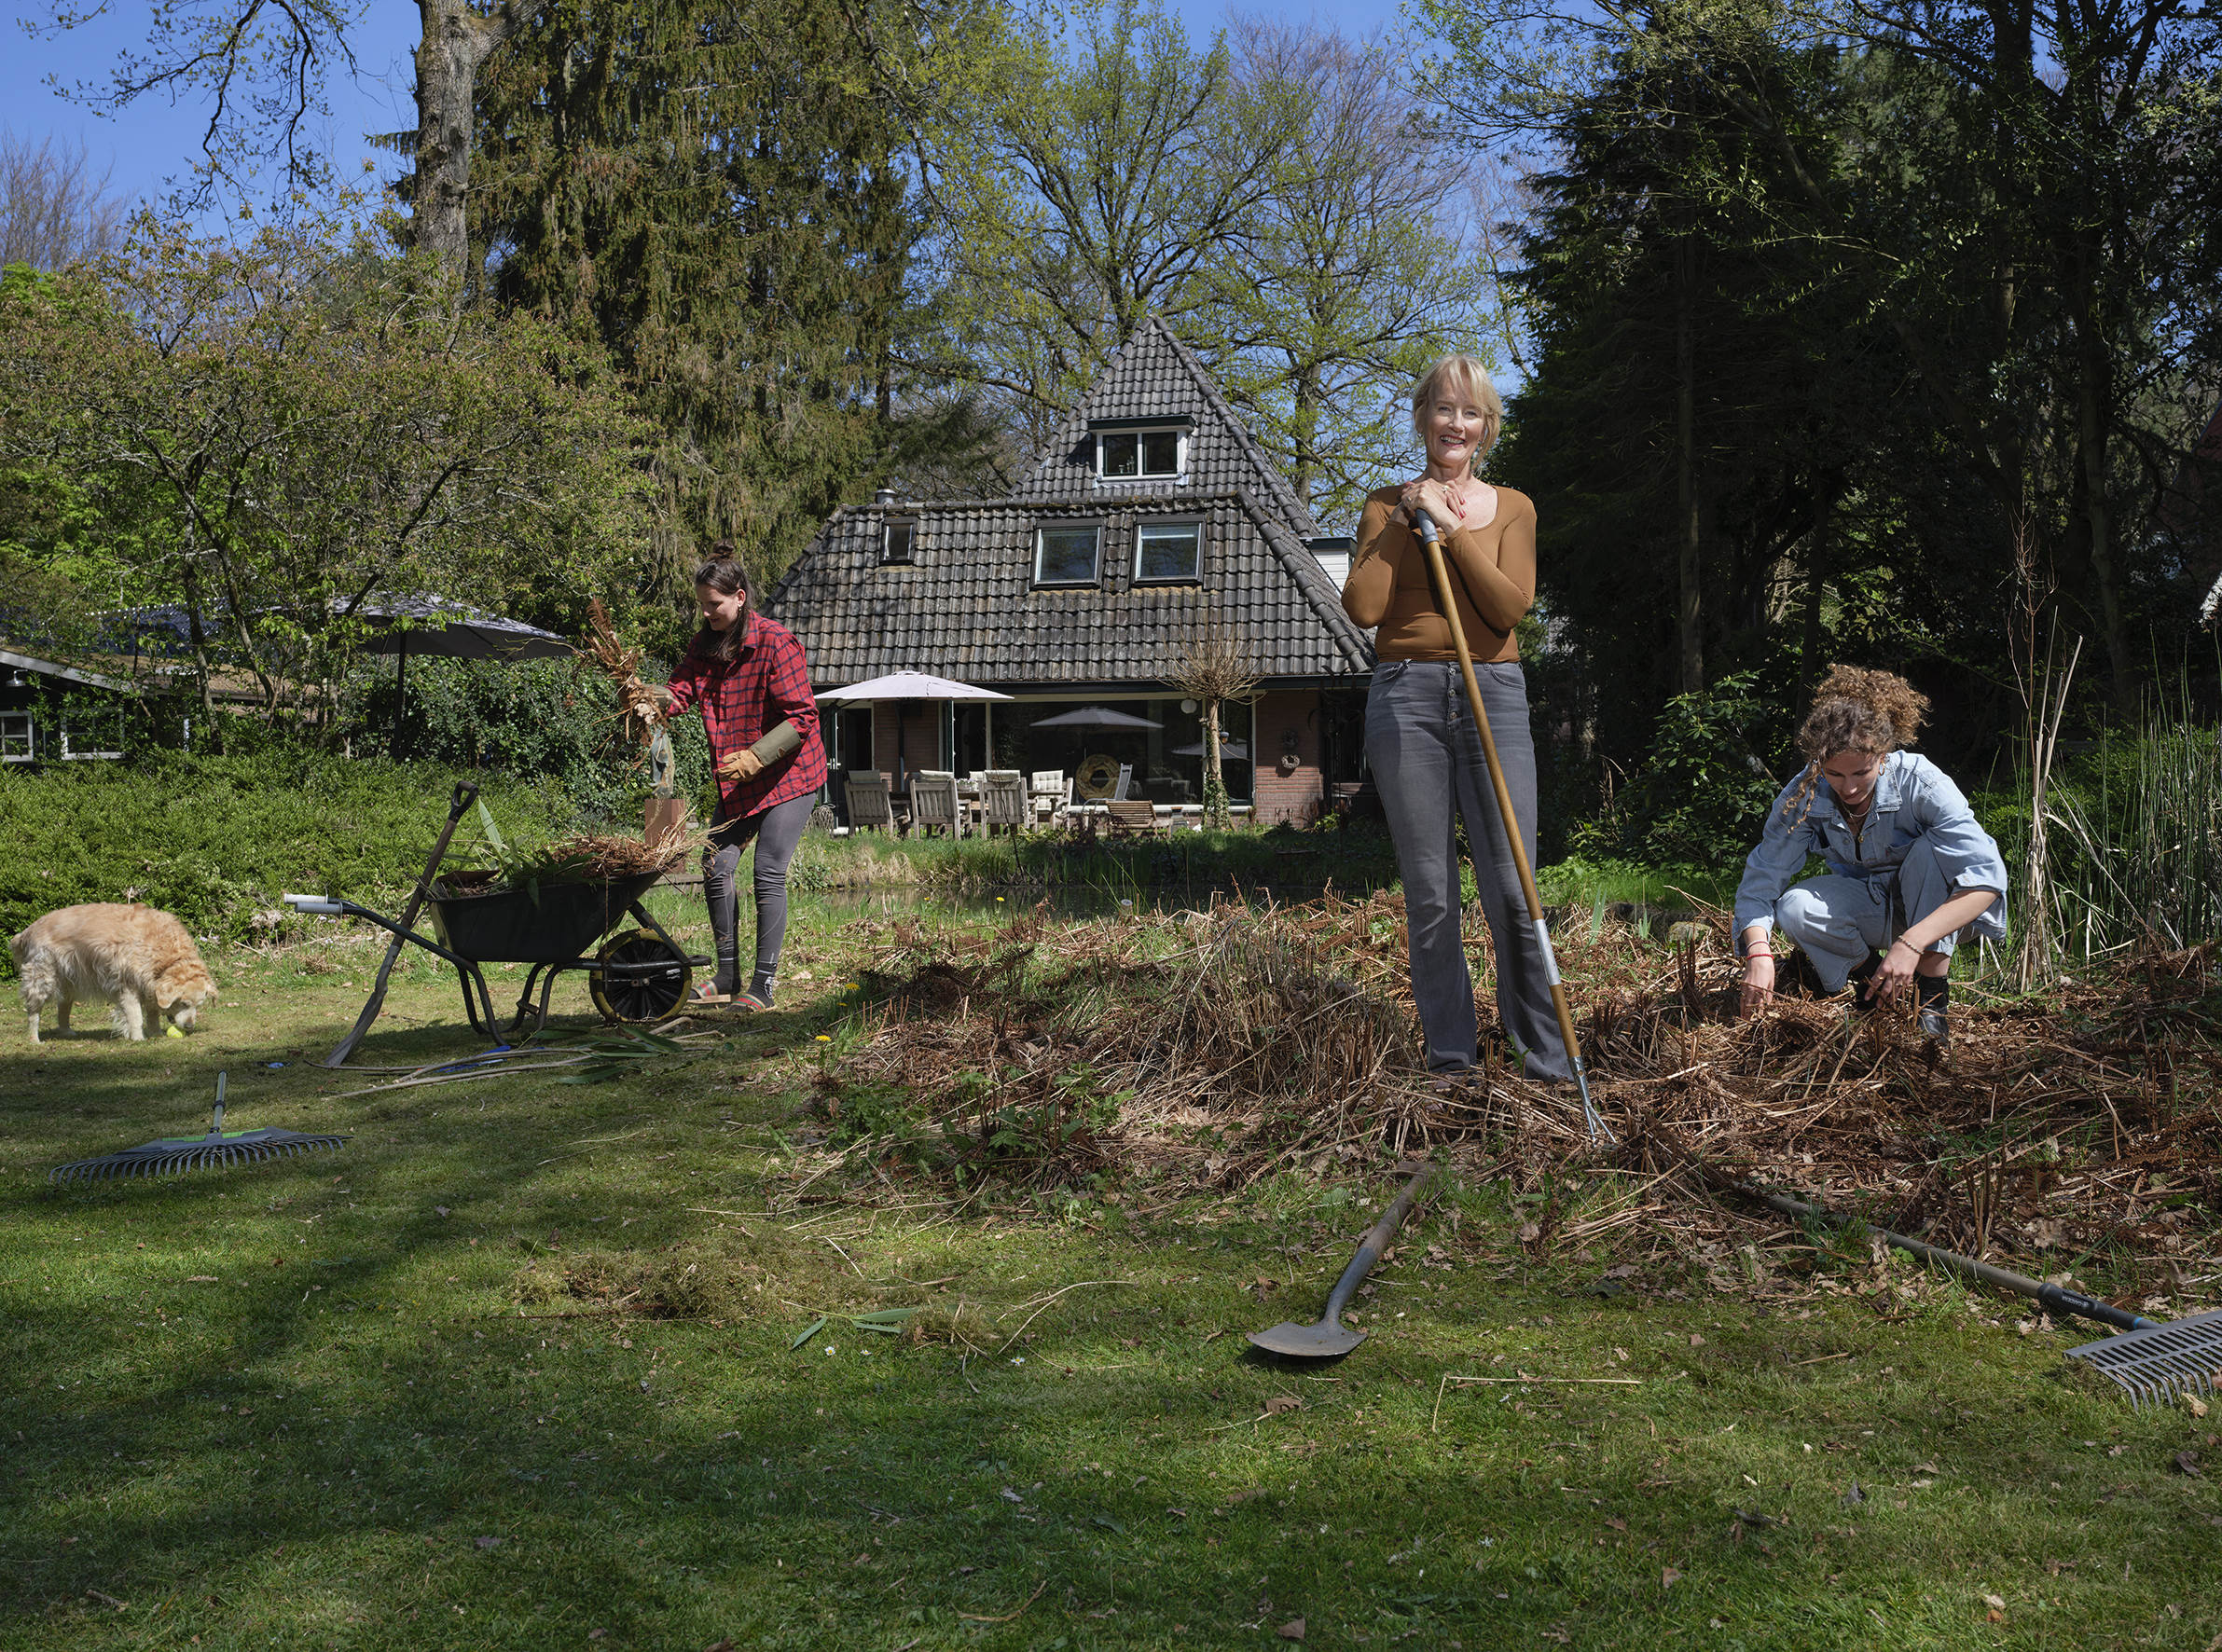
point(156, 140)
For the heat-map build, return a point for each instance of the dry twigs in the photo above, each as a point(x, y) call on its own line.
point(1218, 1046)
point(639, 705)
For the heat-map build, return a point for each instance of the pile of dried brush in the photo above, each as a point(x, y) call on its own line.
point(587, 857)
point(2082, 1130)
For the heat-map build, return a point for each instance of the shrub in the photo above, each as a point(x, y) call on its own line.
point(219, 840)
point(1700, 796)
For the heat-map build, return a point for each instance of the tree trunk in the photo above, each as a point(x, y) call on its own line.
point(1825, 490)
point(1217, 816)
point(1304, 425)
point(1689, 668)
point(2095, 396)
point(456, 44)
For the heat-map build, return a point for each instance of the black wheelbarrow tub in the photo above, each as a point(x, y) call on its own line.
point(550, 923)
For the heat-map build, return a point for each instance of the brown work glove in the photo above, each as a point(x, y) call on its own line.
point(741, 766)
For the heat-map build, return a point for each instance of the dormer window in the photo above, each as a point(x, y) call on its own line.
point(1141, 449)
point(898, 542)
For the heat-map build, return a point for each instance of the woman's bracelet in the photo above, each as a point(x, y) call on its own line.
point(1749, 955)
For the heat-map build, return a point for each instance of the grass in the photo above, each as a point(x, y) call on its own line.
point(366, 1399)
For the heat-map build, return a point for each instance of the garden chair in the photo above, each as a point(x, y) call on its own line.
point(1003, 794)
point(1048, 789)
point(1132, 814)
point(933, 803)
point(866, 791)
point(1126, 780)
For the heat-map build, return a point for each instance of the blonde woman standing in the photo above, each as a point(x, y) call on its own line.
point(1421, 742)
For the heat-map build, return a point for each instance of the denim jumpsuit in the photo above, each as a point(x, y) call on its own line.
point(1919, 846)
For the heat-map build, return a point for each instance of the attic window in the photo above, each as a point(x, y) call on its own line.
point(1168, 552)
point(1068, 554)
point(898, 542)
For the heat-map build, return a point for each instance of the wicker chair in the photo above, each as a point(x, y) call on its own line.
point(867, 792)
point(933, 802)
point(1003, 793)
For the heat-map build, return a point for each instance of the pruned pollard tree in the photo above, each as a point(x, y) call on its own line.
point(1217, 667)
point(304, 423)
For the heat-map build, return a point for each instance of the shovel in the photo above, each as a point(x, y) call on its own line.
point(1330, 1337)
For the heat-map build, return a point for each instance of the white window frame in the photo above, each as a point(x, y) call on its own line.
point(888, 527)
point(18, 737)
point(1144, 528)
point(1180, 471)
point(1041, 532)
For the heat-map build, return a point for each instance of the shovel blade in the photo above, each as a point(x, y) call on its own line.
point(1323, 1341)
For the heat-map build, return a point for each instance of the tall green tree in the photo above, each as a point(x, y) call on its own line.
point(1357, 263)
point(718, 194)
point(283, 428)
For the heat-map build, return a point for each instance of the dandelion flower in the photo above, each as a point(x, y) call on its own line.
point(823, 1038)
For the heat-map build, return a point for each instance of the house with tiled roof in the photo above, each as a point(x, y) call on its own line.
point(1151, 515)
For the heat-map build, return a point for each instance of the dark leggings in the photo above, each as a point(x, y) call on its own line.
point(775, 832)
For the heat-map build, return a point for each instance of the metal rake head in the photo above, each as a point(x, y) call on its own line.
point(2162, 1362)
point(177, 1154)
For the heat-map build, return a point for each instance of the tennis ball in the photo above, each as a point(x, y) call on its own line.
point(174, 1031)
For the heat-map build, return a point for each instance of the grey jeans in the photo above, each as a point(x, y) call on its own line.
point(1839, 922)
point(775, 832)
point(1427, 759)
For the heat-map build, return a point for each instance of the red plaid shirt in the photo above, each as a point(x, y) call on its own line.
point(741, 699)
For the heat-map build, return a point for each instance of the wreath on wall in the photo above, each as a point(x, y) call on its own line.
point(1097, 778)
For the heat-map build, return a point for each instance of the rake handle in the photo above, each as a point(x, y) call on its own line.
point(1431, 539)
point(2053, 1298)
point(1375, 1242)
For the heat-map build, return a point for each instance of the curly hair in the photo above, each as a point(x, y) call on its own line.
point(1854, 710)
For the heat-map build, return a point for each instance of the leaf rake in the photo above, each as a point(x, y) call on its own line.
point(214, 1150)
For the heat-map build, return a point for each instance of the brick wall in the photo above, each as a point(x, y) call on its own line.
point(1286, 792)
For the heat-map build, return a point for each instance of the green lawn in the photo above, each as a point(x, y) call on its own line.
point(374, 1398)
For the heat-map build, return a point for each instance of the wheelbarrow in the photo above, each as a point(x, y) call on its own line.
point(639, 975)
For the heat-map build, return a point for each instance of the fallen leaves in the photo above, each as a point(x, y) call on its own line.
point(1291, 1630)
point(2187, 1463)
point(1279, 1403)
point(1668, 1577)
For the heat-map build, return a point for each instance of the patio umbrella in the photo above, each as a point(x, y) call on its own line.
point(418, 623)
point(916, 686)
point(1095, 717)
point(1229, 750)
point(422, 624)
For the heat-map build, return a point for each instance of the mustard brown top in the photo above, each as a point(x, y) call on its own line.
point(1492, 567)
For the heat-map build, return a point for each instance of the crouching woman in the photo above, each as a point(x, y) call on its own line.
point(747, 676)
point(1910, 873)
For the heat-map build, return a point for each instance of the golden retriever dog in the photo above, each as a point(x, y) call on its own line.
point(140, 960)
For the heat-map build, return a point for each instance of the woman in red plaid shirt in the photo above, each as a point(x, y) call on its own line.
point(747, 676)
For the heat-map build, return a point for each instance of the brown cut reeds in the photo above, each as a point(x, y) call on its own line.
point(2076, 1130)
point(639, 705)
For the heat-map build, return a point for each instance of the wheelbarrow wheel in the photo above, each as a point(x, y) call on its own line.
point(640, 977)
